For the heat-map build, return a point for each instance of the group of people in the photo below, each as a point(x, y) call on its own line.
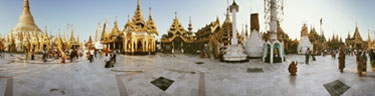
point(32, 53)
point(361, 60)
point(72, 55)
point(110, 58)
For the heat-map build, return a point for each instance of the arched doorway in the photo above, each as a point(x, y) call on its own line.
point(178, 45)
point(267, 53)
point(277, 53)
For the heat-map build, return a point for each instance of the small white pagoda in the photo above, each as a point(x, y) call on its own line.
point(254, 45)
point(304, 44)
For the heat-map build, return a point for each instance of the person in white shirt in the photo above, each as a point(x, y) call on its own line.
point(107, 61)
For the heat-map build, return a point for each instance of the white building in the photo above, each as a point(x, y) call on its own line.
point(304, 43)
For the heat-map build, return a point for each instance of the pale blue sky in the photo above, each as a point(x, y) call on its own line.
point(339, 16)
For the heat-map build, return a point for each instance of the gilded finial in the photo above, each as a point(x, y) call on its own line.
point(138, 3)
point(128, 18)
point(356, 24)
point(26, 3)
point(189, 19)
point(150, 11)
point(175, 14)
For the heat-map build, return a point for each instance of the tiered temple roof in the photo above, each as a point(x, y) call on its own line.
point(176, 30)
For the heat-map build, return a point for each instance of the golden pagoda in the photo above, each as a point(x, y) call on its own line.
point(25, 35)
point(113, 40)
point(370, 42)
point(226, 30)
point(178, 39)
point(355, 42)
point(140, 37)
point(208, 39)
point(89, 44)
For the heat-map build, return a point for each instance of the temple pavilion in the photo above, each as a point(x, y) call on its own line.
point(178, 39)
point(355, 42)
point(112, 40)
point(138, 36)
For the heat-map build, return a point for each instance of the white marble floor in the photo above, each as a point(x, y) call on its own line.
point(132, 75)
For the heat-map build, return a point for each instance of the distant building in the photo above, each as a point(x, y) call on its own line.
point(355, 42)
point(114, 39)
point(208, 39)
point(178, 39)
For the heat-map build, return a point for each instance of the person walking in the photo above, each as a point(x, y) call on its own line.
point(313, 57)
point(44, 53)
point(372, 59)
point(32, 53)
point(307, 55)
point(341, 58)
point(114, 55)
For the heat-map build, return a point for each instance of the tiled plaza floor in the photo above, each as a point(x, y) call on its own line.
point(132, 76)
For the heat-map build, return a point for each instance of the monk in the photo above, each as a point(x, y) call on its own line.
point(359, 63)
point(63, 58)
point(341, 60)
point(293, 68)
point(364, 62)
point(372, 59)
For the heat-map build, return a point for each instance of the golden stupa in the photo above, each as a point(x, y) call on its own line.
point(26, 35)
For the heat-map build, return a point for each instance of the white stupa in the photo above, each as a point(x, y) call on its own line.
point(235, 51)
point(254, 45)
point(304, 43)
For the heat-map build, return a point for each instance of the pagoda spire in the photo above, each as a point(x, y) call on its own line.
point(150, 15)
point(138, 4)
point(150, 24)
point(115, 28)
point(26, 17)
point(128, 18)
point(190, 28)
point(97, 34)
point(227, 16)
point(45, 29)
point(72, 39)
point(217, 20)
point(138, 18)
point(175, 15)
point(368, 35)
